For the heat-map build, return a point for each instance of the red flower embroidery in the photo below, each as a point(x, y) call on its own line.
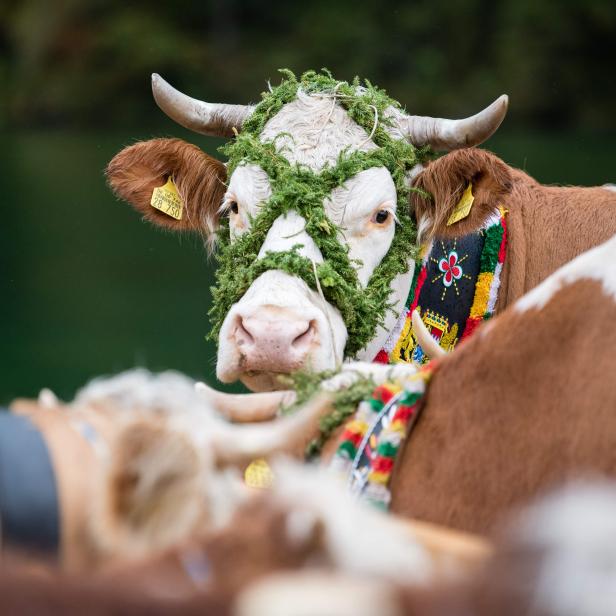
point(450, 268)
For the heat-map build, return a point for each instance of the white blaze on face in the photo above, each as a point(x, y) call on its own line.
point(280, 324)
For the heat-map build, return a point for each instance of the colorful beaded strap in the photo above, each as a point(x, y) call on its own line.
point(370, 441)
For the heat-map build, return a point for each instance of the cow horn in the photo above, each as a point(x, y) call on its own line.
point(441, 134)
point(429, 345)
point(216, 120)
point(246, 408)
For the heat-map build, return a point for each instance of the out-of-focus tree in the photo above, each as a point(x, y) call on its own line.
point(87, 62)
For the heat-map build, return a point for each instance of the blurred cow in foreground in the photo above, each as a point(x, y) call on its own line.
point(556, 558)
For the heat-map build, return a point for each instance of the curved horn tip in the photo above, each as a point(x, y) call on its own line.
point(481, 126)
point(155, 79)
point(501, 104)
point(159, 85)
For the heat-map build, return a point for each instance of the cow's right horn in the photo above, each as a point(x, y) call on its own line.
point(442, 134)
point(214, 119)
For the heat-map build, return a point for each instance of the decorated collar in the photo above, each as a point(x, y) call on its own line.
point(454, 288)
point(370, 441)
point(295, 187)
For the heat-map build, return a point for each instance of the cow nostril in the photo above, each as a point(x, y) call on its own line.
point(242, 335)
point(306, 336)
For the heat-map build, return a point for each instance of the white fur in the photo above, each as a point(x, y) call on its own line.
point(576, 530)
point(300, 525)
point(359, 539)
point(610, 187)
point(352, 371)
point(276, 288)
point(288, 231)
point(316, 129)
point(139, 390)
point(317, 593)
point(596, 264)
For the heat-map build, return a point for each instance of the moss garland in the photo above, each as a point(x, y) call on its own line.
point(344, 403)
point(295, 187)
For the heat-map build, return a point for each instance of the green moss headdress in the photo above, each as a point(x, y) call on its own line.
point(296, 187)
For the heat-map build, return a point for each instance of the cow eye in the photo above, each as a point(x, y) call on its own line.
point(381, 216)
point(233, 207)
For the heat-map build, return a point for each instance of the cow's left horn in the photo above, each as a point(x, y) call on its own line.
point(246, 408)
point(214, 119)
point(442, 134)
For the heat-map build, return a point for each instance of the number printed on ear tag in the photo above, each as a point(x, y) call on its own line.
point(167, 199)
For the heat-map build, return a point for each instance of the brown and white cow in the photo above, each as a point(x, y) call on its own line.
point(547, 226)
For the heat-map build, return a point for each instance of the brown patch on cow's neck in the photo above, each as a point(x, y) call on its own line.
point(512, 413)
point(547, 227)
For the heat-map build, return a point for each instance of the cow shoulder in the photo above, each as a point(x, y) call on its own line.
point(137, 170)
point(446, 179)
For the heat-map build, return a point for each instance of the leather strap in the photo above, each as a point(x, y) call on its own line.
point(29, 508)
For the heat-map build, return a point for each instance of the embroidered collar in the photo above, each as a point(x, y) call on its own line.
point(455, 288)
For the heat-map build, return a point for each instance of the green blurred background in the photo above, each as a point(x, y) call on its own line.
point(86, 288)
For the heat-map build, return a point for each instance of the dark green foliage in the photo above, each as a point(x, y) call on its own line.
point(298, 188)
point(85, 63)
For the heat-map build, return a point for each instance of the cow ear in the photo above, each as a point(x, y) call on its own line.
point(445, 180)
point(151, 494)
point(137, 170)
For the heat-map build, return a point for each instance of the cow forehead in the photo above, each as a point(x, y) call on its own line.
point(313, 129)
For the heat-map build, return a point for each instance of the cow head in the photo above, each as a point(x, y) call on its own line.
point(311, 213)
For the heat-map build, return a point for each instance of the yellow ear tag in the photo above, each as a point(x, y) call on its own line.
point(259, 475)
point(463, 208)
point(167, 199)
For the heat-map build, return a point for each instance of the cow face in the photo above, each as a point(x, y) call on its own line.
point(281, 323)
point(275, 320)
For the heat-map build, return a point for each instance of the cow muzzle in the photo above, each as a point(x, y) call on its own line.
point(274, 339)
point(295, 330)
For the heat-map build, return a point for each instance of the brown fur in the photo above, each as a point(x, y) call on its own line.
point(200, 179)
point(513, 412)
point(547, 226)
point(30, 593)
point(446, 179)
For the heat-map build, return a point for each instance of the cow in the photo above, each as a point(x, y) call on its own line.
point(275, 321)
point(151, 434)
point(140, 463)
point(554, 558)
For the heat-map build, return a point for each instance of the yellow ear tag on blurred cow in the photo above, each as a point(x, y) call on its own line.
point(463, 208)
point(259, 475)
point(167, 199)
